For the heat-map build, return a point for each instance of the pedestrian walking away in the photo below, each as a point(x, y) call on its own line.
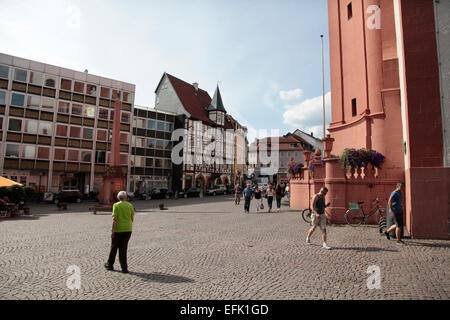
point(237, 194)
point(248, 196)
point(122, 227)
point(279, 195)
point(258, 198)
point(395, 209)
point(319, 218)
point(270, 194)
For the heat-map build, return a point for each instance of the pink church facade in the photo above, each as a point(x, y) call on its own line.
point(385, 87)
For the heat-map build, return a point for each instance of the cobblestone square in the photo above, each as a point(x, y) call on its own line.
point(209, 249)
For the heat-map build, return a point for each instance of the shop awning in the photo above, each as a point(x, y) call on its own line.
point(7, 183)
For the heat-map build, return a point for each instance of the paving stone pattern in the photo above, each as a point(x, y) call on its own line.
point(210, 249)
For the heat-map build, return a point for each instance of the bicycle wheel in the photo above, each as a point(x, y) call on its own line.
point(306, 215)
point(354, 217)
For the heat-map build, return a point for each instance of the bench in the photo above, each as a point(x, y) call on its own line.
point(101, 209)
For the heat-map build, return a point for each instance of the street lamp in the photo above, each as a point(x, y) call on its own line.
point(323, 87)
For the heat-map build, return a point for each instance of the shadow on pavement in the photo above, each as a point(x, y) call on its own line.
point(23, 217)
point(430, 245)
point(367, 249)
point(161, 277)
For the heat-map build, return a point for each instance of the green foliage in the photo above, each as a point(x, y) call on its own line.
point(17, 193)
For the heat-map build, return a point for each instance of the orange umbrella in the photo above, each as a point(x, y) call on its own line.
point(7, 183)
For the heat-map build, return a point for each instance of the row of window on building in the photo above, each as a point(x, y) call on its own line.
point(32, 152)
point(41, 79)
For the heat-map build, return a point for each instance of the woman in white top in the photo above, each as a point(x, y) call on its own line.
point(270, 193)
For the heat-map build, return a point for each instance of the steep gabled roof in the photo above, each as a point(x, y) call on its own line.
point(195, 102)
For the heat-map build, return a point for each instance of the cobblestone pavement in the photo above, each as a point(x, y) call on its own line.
point(209, 249)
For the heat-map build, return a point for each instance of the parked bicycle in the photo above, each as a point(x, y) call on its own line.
point(356, 215)
point(307, 214)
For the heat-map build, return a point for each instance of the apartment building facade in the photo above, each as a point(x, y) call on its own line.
point(56, 125)
point(151, 165)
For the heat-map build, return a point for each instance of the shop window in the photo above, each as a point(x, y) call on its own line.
point(63, 107)
point(36, 78)
point(61, 130)
point(12, 150)
point(15, 124)
point(30, 126)
point(75, 132)
point(4, 72)
point(33, 101)
point(60, 154)
point(17, 99)
point(77, 109)
point(20, 75)
point(45, 128)
point(43, 153)
point(66, 84)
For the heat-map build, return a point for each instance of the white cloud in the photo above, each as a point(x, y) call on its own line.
point(294, 94)
point(308, 115)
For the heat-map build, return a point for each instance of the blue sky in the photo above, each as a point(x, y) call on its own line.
point(266, 55)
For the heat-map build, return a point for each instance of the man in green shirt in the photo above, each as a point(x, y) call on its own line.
point(123, 218)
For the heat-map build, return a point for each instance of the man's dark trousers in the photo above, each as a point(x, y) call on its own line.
point(120, 241)
point(247, 204)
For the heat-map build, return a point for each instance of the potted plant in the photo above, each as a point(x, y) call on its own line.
point(360, 158)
